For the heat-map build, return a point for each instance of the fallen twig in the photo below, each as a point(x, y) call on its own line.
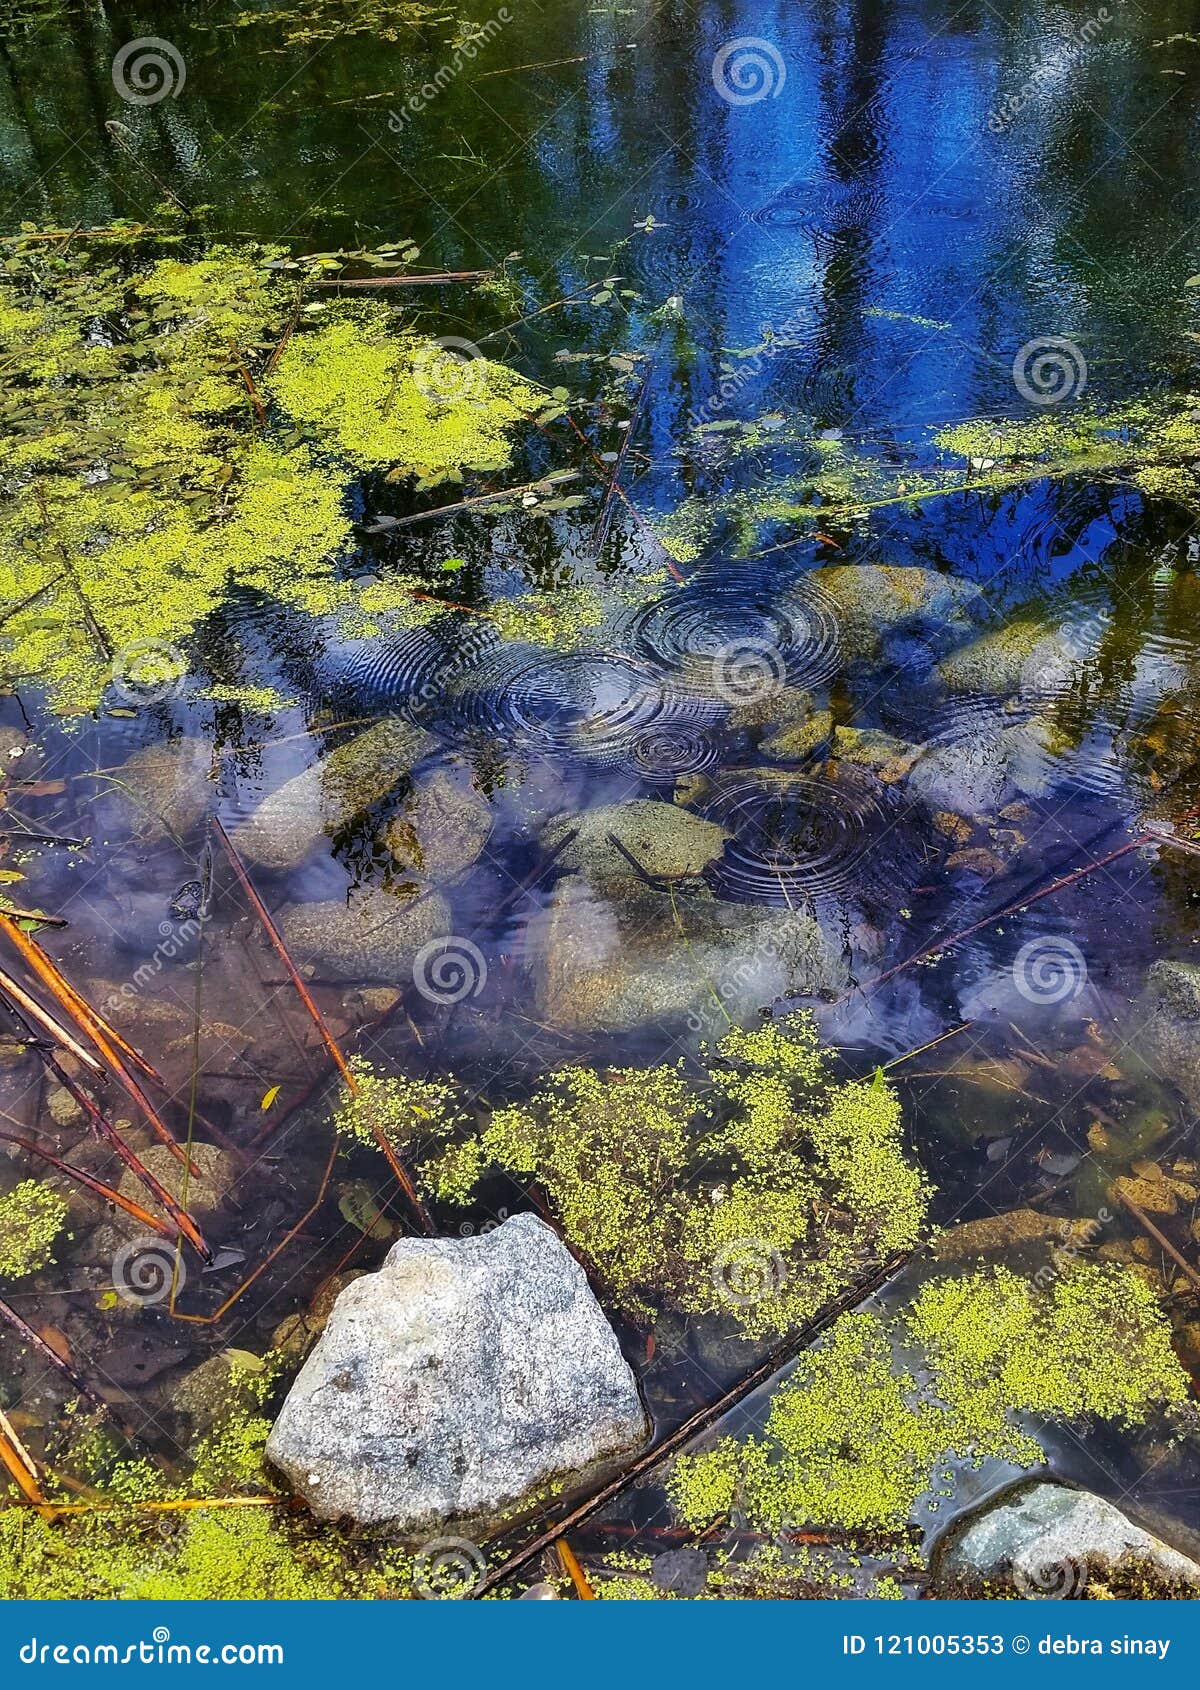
point(22, 1467)
point(27, 1006)
point(331, 1044)
point(1159, 1237)
point(424, 281)
point(576, 1574)
point(601, 525)
point(693, 1426)
point(107, 1041)
point(33, 915)
point(37, 1343)
point(545, 482)
point(97, 1186)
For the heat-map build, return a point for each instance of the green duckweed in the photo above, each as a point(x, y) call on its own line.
point(31, 1218)
point(855, 1438)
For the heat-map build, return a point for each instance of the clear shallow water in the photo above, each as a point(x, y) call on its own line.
point(900, 252)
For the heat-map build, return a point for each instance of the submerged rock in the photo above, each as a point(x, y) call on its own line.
point(662, 837)
point(1048, 1541)
point(1029, 655)
point(646, 957)
point(374, 937)
point(440, 828)
point(314, 804)
point(875, 599)
point(977, 775)
point(1169, 1033)
point(455, 1383)
point(161, 790)
point(201, 1192)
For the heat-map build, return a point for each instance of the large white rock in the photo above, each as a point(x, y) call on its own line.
point(1047, 1540)
point(456, 1381)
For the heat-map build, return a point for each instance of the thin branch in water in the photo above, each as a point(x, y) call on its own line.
point(550, 64)
point(28, 1008)
point(429, 280)
point(22, 1468)
point(694, 1425)
point(97, 1186)
point(331, 1044)
point(44, 1352)
point(1159, 1237)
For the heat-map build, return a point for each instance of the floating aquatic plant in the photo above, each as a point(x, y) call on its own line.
point(757, 1191)
point(122, 1548)
point(156, 464)
point(855, 1437)
point(31, 1218)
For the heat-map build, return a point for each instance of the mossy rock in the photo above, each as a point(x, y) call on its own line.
point(1029, 655)
point(374, 937)
point(315, 804)
point(877, 599)
point(663, 838)
point(201, 1194)
point(161, 790)
point(646, 957)
point(440, 828)
point(798, 740)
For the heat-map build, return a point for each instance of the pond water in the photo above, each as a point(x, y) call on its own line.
point(803, 577)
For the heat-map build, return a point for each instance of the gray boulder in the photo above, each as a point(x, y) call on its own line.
point(978, 774)
point(160, 791)
point(1048, 1541)
point(455, 1383)
point(876, 599)
point(662, 837)
point(1029, 655)
point(643, 957)
point(1168, 1034)
point(315, 803)
point(374, 937)
point(441, 826)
